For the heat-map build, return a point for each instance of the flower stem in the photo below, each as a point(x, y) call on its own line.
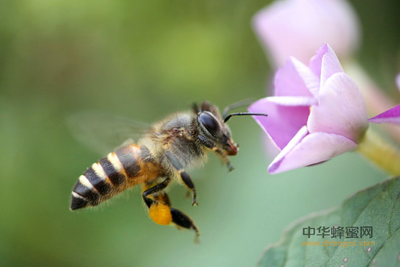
point(384, 155)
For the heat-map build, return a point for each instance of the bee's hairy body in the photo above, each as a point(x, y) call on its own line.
point(134, 164)
point(162, 155)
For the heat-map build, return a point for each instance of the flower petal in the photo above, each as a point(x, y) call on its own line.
point(304, 150)
point(293, 100)
point(298, 27)
point(390, 116)
point(295, 79)
point(325, 63)
point(316, 61)
point(398, 81)
point(282, 123)
point(303, 132)
point(341, 109)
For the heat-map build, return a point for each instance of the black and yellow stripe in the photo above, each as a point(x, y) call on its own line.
point(109, 176)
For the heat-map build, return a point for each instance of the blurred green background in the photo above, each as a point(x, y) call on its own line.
point(144, 60)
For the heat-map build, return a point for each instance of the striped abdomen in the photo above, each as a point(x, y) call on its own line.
point(128, 166)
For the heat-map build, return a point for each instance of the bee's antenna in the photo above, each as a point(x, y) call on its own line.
point(243, 114)
point(236, 105)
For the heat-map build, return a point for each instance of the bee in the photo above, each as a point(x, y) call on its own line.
point(160, 157)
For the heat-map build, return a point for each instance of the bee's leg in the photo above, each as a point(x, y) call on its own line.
point(163, 198)
point(206, 142)
point(149, 190)
point(161, 212)
point(180, 219)
point(185, 178)
point(217, 151)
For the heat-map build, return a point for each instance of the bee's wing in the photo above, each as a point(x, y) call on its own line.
point(103, 132)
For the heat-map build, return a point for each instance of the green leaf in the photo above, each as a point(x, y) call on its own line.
point(377, 206)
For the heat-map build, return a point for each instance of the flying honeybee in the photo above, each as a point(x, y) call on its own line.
point(159, 157)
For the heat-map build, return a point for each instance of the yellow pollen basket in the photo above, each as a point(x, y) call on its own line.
point(160, 214)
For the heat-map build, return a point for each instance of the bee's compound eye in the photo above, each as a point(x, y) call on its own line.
point(209, 122)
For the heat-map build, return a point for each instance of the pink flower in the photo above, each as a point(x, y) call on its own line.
point(390, 116)
point(298, 27)
point(317, 112)
point(398, 81)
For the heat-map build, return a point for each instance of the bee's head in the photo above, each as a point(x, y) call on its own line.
point(212, 126)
